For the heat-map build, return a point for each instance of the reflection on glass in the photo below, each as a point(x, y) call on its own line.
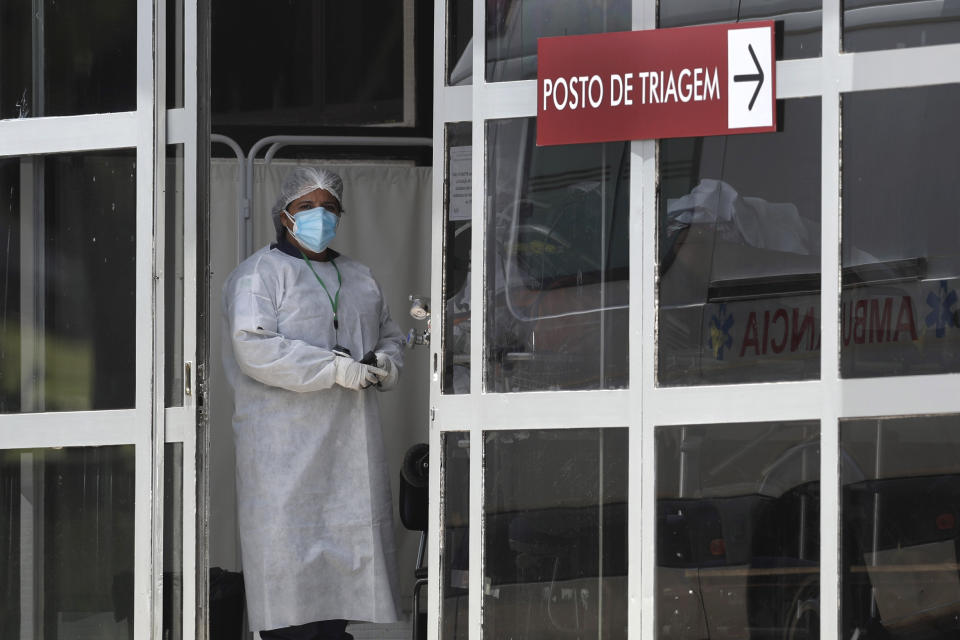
point(173, 541)
point(739, 254)
point(175, 49)
point(173, 278)
point(347, 67)
point(555, 534)
point(513, 27)
point(66, 530)
point(459, 42)
point(738, 531)
point(9, 285)
point(557, 262)
point(901, 232)
point(870, 25)
point(456, 260)
point(900, 531)
point(801, 20)
point(67, 58)
point(454, 618)
point(74, 266)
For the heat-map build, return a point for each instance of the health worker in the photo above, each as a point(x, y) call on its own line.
point(309, 344)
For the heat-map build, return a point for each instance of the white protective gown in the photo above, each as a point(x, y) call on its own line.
point(313, 494)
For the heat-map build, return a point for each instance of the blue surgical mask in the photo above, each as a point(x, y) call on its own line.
point(314, 228)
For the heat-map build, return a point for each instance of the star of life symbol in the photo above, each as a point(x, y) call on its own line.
point(720, 337)
point(942, 315)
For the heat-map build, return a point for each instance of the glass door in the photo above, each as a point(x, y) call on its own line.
point(698, 387)
point(532, 358)
point(98, 403)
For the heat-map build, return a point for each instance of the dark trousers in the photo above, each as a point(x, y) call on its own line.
point(323, 630)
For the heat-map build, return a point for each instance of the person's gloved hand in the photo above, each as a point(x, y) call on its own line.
point(390, 374)
point(350, 374)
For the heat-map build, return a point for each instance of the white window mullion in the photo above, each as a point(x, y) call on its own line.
point(478, 270)
point(516, 99)
point(641, 506)
point(438, 231)
point(641, 514)
point(190, 569)
point(903, 395)
point(894, 68)
point(67, 429)
point(147, 572)
point(65, 134)
point(829, 326)
point(456, 105)
point(159, 209)
point(762, 402)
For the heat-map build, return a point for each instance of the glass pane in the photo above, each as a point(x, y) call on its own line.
point(175, 22)
point(869, 25)
point(73, 321)
point(739, 254)
point(10, 320)
point(456, 260)
point(557, 263)
point(513, 27)
point(900, 502)
point(66, 530)
point(173, 541)
point(329, 63)
point(555, 534)
point(454, 613)
point(802, 21)
point(901, 232)
point(738, 531)
point(459, 42)
point(67, 58)
point(173, 278)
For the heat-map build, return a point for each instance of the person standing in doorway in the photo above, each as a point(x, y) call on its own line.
point(309, 343)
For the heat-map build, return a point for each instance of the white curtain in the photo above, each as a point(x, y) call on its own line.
point(387, 227)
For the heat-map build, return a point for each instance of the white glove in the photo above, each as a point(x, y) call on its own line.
point(350, 374)
point(390, 374)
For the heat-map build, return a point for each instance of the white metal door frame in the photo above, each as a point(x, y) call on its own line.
point(645, 406)
point(147, 426)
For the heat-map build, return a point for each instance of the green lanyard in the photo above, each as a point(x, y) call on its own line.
point(334, 301)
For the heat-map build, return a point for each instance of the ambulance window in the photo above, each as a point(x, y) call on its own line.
point(67, 58)
point(555, 533)
point(75, 230)
point(802, 21)
point(900, 504)
point(454, 614)
point(739, 254)
point(738, 530)
point(456, 259)
point(513, 27)
point(557, 269)
point(901, 232)
point(870, 25)
point(459, 38)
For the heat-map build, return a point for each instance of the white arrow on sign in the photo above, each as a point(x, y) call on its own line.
point(749, 62)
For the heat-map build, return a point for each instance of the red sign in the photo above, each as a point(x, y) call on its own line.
point(662, 83)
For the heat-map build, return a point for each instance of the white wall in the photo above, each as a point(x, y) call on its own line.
point(387, 227)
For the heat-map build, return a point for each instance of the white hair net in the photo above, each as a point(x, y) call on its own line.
point(302, 181)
